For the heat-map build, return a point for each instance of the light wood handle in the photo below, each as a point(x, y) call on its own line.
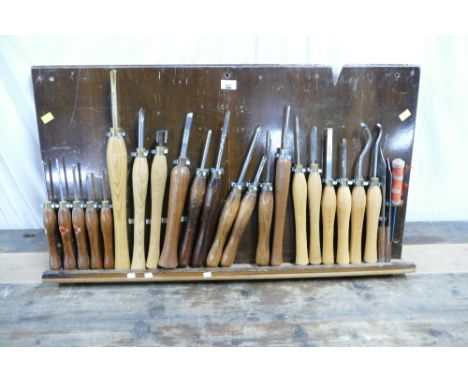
point(358, 209)
point(92, 225)
point(242, 219)
point(299, 194)
point(158, 188)
point(328, 223)
point(107, 230)
point(65, 227)
point(265, 218)
point(230, 209)
point(140, 188)
point(314, 191)
point(79, 226)
point(117, 168)
point(343, 213)
point(374, 203)
point(179, 182)
point(50, 226)
point(283, 174)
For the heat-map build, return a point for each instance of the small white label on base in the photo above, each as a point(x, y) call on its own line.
point(46, 118)
point(207, 275)
point(228, 84)
point(131, 275)
point(405, 115)
point(148, 275)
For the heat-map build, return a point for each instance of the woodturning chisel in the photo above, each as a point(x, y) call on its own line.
point(246, 209)
point(373, 206)
point(158, 188)
point(230, 209)
point(314, 192)
point(211, 204)
point(178, 187)
point(282, 177)
point(265, 211)
point(92, 224)
point(140, 189)
point(358, 203)
point(343, 208)
point(328, 204)
point(78, 220)
point(381, 234)
point(107, 224)
point(117, 168)
point(197, 193)
point(299, 194)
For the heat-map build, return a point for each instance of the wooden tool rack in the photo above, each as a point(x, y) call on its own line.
point(74, 114)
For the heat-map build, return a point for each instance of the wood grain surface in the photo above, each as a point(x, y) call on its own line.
point(65, 227)
point(358, 210)
point(107, 230)
point(299, 194)
point(373, 205)
point(314, 193)
point(265, 219)
point(94, 234)
point(343, 213)
point(81, 237)
point(50, 225)
point(328, 224)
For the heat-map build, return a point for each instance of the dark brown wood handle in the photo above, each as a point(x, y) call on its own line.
point(197, 192)
point(381, 244)
point(107, 229)
point(65, 227)
point(207, 226)
point(283, 174)
point(92, 224)
point(265, 218)
point(50, 226)
point(388, 240)
point(243, 217)
point(79, 226)
point(179, 182)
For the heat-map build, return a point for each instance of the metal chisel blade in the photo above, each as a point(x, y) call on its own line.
point(114, 105)
point(296, 142)
point(343, 159)
point(75, 183)
point(141, 128)
point(329, 155)
point(259, 170)
point(185, 137)
point(222, 142)
point(205, 151)
point(313, 145)
point(284, 137)
point(249, 155)
point(267, 153)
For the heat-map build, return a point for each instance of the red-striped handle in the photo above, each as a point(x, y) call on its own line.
point(398, 169)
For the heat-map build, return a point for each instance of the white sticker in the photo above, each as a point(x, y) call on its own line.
point(207, 275)
point(148, 275)
point(228, 84)
point(131, 275)
point(46, 118)
point(405, 115)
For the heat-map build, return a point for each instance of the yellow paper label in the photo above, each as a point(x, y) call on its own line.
point(46, 118)
point(405, 115)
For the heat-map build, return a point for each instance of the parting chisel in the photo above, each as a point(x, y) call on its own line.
point(78, 220)
point(343, 208)
point(178, 187)
point(314, 192)
point(246, 208)
point(230, 209)
point(197, 193)
point(92, 224)
point(107, 224)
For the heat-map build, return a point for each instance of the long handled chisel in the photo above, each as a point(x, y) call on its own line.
point(78, 220)
point(92, 224)
point(314, 192)
point(107, 224)
point(343, 208)
point(382, 246)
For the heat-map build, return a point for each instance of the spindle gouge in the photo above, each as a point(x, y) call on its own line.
point(343, 208)
point(178, 187)
point(211, 204)
point(92, 224)
point(107, 224)
point(314, 192)
point(246, 208)
point(197, 193)
point(230, 209)
point(79, 224)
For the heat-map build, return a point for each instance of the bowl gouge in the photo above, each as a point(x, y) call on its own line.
point(178, 187)
point(140, 188)
point(158, 188)
point(373, 206)
point(78, 220)
point(117, 168)
point(197, 193)
point(50, 224)
point(299, 194)
point(358, 203)
point(243, 217)
point(265, 212)
point(343, 208)
point(328, 204)
point(107, 224)
point(211, 204)
point(282, 177)
point(65, 227)
point(92, 224)
point(314, 192)
point(230, 209)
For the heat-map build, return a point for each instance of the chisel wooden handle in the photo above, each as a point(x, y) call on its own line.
point(79, 226)
point(242, 219)
point(158, 187)
point(283, 173)
point(140, 188)
point(265, 218)
point(299, 194)
point(197, 192)
point(381, 244)
point(50, 226)
point(179, 182)
point(328, 223)
point(373, 205)
point(358, 209)
point(65, 227)
point(92, 225)
point(343, 212)
point(107, 230)
point(230, 209)
point(314, 191)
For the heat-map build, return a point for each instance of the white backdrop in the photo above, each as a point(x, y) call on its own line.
point(438, 184)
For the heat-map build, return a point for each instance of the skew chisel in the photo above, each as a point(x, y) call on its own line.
point(158, 188)
point(92, 224)
point(246, 209)
point(211, 204)
point(107, 224)
point(299, 194)
point(140, 188)
point(343, 208)
point(314, 192)
point(197, 193)
point(178, 187)
point(230, 209)
point(358, 203)
point(78, 220)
